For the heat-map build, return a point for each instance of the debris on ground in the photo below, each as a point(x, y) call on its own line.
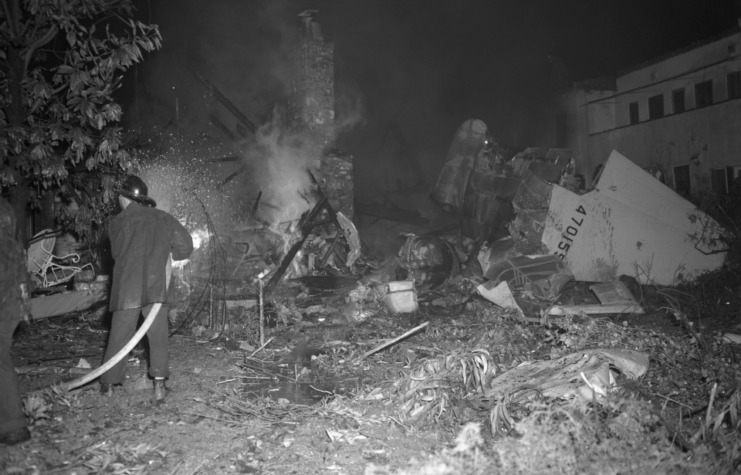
point(543, 275)
point(630, 223)
point(428, 260)
point(298, 348)
point(469, 365)
point(63, 303)
point(732, 338)
point(500, 295)
point(399, 296)
point(587, 374)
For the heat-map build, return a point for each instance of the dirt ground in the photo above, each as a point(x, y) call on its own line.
point(193, 432)
point(230, 411)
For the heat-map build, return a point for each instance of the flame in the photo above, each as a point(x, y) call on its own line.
point(199, 236)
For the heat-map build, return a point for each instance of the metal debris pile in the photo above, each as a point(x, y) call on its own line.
point(540, 225)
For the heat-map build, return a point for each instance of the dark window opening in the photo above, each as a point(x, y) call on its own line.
point(682, 181)
point(678, 101)
point(633, 110)
point(703, 94)
point(718, 181)
point(729, 177)
point(732, 178)
point(734, 85)
point(656, 107)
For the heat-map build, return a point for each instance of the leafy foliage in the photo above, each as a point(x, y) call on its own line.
point(65, 59)
point(121, 458)
point(36, 409)
point(725, 209)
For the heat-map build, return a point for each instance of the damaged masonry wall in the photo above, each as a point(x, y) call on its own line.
point(311, 106)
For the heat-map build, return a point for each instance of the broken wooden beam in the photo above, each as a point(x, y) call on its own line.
point(223, 128)
point(227, 103)
point(390, 342)
point(594, 309)
point(235, 174)
point(307, 224)
point(257, 203)
point(335, 240)
point(59, 304)
point(242, 131)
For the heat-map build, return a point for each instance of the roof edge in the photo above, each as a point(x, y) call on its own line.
point(697, 44)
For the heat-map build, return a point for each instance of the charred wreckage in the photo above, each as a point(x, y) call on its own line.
point(529, 225)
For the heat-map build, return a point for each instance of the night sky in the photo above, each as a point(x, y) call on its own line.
point(420, 67)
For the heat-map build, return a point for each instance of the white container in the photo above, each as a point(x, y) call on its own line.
point(400, 296)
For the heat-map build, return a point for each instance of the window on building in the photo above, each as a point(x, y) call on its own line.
point(703, 94)
point(718, 181)
point(678, 101)
point(732, 174)
point(633, 110)
point(734, 85)
point(656, 106)
point(682, 180)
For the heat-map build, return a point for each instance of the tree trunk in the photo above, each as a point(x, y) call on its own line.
point(18, 198)
point(16, 115)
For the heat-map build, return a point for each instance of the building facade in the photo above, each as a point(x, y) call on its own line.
point(678, 116)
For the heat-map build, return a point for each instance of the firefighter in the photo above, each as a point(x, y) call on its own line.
point(143, 239)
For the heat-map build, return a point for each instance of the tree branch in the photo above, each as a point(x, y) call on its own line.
point(4, 11)
point(59, 89)
point(35, 28)
point(11, 13)
point(47, 37)
point(710, 253)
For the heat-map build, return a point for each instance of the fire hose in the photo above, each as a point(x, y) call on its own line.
point(130, 345)
point(120, 355)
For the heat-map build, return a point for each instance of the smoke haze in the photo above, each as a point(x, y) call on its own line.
point(414, 70)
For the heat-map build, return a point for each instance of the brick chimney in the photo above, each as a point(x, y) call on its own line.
point(311, 107)
point(311, 93)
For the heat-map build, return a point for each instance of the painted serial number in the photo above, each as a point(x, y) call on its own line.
point(572, 230)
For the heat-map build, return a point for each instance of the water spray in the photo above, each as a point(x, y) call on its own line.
point(217, 253)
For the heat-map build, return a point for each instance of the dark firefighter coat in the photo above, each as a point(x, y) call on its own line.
point(142, 238)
